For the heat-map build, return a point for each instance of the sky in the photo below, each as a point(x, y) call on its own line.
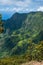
point(9, 7)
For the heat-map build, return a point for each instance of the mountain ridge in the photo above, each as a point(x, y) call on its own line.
point(26, 31)
point(17, 19)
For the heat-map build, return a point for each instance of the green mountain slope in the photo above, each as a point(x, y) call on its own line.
point(27, 21)
point(26, 32)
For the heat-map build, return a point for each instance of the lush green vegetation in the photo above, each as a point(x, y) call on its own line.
point(34, 52)
point(22, 40)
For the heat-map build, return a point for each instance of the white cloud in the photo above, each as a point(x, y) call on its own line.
point(4, 2)
point(19, 6)
point(14, 5)
point(15, 9)
point(11, 9)
point(40, 8)
point(15, 2)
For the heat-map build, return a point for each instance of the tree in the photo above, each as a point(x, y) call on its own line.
point(1, 24)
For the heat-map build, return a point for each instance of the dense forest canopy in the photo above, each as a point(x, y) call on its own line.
point(22, 39)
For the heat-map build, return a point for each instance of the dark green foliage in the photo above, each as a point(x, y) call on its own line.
point(23, 39)
point(1, 24)
point(32, 21)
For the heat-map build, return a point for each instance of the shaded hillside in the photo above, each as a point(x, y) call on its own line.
point(15, 22)
point(27, 30)
point(32, 21)
point(38, 37)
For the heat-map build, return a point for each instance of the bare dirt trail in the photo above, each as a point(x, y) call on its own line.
point(33, 63)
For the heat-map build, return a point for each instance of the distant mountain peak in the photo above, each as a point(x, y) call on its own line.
point(20, 20)
point(16, 13)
